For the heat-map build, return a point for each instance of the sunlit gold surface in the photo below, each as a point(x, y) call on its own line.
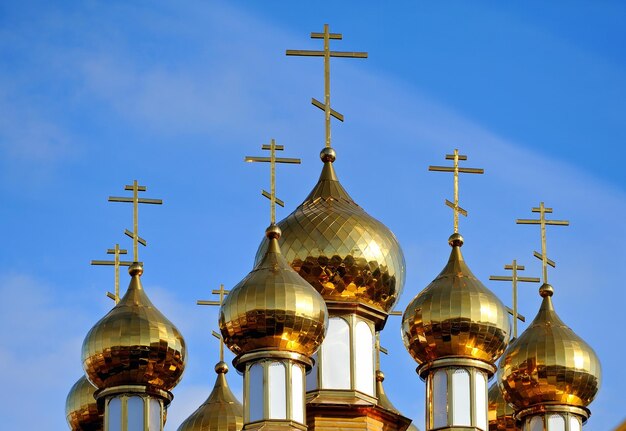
point(81, 409)
point(549, 363)
point(455, 316)
point(339, 249)
point(134, 344)
point(220, 412)
point(273, 308)
point(500, 412)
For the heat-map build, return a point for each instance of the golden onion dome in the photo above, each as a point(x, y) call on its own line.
point(500, 413)
point(383, 400)
point(134, 344)
point(343, 252)
point(220, 412)
point(81, 409)
point(549, 363)
point(273, 308)
point(455, 316)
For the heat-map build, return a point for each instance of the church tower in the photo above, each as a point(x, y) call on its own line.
point(134, 355)
point(356, 264)
point(456, 329)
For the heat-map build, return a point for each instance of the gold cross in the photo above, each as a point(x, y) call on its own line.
point(136, 200)
point(272, 160)
point(543, 222)
point(514, 278)
point(455, 169)
point(222, 293)
point(379, 349)
point(326, 53)
point(116, 263)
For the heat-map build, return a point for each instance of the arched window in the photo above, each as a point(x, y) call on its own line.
point(481, 400)
point(297, 393)
point(461, 410)
point(336, 355)
point(536, 424)
point(256, 388)
point(134, 408)
point(556, 423)
point(114, 422)
point(155, 415)
point(364, 358)
point(277, 391)
point(440, 399)
point(574, 424)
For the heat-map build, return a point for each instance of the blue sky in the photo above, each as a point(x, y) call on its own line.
point(96, 94)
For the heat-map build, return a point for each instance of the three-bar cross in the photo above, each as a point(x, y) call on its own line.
point(543, 222)
point(116, 263)
point(327, 54)
point(514, 278)
point(135, 200)
point(455, 169)
point(272, 160)
point(222, 293)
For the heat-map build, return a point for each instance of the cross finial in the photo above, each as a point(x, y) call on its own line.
point(222, 294)
point(327, 54)
point(135, 200)
point(272, 160)
point(514, 278)
point(116, 263)
point(379, 349)
point(456, 170)
point(543, 222)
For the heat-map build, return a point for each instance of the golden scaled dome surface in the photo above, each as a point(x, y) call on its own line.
point(455, 316)
point(549, 363)
point(222, 411)
point(134, 344)
point(343, 252)
point(500, 413)
point(81, 409)
point(273, 308)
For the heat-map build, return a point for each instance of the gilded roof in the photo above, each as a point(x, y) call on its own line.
point(500, 413)
point(81, 409)
point(343, 252)
point(221, 411)
point(134, 344)
point(273, 308)
point(549, 363)
point(455, 316)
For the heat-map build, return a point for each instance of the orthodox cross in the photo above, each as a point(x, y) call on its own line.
point(116, 263)
point(136, 200)
point(543, 222)
point(455, 169)
point(272, 160)
point(514, 278)
point(379, 349)
point(326, 53)
point(222, 293)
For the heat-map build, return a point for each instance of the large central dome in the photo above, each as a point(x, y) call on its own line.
point(346, 254)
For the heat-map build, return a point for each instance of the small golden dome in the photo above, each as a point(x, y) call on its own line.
point(549, 363)
point(81, 409)
point(455, 316)
point(134, 344)
point(273, 308)
point(500, 412)
point(220, 412)
point(343, 252)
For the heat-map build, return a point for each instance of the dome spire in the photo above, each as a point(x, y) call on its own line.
point(543, 222)
point(456, 170)
point(327, 36)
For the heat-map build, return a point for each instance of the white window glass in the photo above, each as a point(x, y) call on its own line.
point(461, 411)
point(311, 377)
point(297, 393)
point(336, 355)
point(536, 424)
point(440, 399)
point(278, 391)
point(556, 423)
point(155, 415)
point(115, 415)
point(364, 358)
point(257, 388)
point(134, 407)
point(574, 424)
point(481, 400)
